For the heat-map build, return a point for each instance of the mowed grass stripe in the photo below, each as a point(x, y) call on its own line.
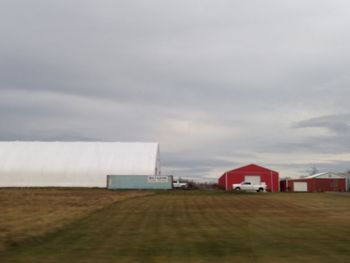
point(26, 213)
point(203, 227)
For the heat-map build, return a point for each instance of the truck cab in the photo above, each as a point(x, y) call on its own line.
point(179, 185)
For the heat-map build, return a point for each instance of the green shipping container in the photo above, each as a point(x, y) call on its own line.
point(139, 182)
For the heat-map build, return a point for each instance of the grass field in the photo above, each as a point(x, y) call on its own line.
point(201, 226)
point(26, 213)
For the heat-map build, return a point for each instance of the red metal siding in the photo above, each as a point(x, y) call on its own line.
point(316, 184)
point(336, 185)
point(290, 185)
point(236, 176)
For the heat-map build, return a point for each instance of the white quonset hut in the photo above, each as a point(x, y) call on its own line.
point(74, 164)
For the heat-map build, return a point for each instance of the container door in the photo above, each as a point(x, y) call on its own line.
point(300, 186)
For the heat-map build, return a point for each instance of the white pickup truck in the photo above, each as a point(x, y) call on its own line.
point(179, 185)
point(248, 186)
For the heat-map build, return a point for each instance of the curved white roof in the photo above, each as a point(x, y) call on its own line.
point(77, 164)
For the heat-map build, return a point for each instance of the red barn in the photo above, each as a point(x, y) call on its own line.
point(315, 183)
point(251, 173)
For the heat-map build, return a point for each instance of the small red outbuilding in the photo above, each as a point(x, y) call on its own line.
point(315, 183)
point(252, 173)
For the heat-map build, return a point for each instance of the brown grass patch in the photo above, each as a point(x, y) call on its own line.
point(29, 212)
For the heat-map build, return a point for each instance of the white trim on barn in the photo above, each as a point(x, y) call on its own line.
point(74, 164)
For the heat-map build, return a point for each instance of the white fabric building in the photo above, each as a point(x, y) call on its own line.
point(74, 164)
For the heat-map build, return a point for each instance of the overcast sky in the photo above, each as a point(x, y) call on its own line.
point(218, 84)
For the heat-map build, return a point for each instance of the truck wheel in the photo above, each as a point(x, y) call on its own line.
point(237, 188)
point(260, 190)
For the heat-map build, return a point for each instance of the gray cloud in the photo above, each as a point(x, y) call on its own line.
point(339, 124)
point(217, 83)
point(338, 139)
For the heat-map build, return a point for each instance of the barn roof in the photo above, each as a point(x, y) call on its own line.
point(325, 175)
point(252, 165)
point(34, 161)
point(316, 175)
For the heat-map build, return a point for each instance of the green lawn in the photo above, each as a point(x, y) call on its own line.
point(202, 226)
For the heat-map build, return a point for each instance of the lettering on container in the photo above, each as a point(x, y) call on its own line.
point(157, 179)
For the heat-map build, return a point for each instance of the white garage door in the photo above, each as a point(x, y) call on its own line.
point(254, 179)
point(300, 186)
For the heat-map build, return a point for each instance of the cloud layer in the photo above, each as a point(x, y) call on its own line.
point(218, 83)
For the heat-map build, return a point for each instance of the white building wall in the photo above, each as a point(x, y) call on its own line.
point(73, 164)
